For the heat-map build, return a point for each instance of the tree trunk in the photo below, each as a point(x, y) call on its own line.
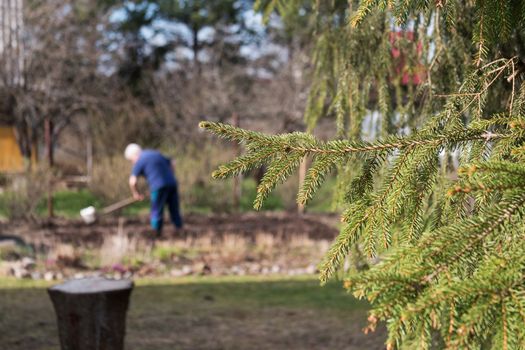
point(302, 175)
point(48, 133)
point(196, 48)
point(237, 184)
point(91, 313)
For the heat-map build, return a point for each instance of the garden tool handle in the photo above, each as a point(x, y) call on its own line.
point(119, 205)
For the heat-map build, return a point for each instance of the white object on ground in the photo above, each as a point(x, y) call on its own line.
point(88, 215)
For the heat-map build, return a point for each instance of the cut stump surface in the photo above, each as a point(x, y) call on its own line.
point(91, 313)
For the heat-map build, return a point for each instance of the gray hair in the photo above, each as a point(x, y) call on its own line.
point(132, 150)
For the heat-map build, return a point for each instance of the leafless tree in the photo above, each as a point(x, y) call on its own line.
point(56, 77)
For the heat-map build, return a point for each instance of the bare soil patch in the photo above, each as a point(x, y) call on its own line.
point(242, 244)
point(281, 225)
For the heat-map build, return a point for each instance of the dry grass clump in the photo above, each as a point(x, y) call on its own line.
point(110, 178)
point(24, 193)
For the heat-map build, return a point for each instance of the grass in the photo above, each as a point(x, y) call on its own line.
point(68, 203)
point(207, 199)
point(323, 200)
point(249, 191)
point(206, 313)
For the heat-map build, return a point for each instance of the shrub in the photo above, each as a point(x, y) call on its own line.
point(193, 163)
point(110, 179)
point(23, 195)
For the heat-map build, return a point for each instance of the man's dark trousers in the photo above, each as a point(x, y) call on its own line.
point(165, 196)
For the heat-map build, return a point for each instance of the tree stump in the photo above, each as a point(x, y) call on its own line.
point(91, 313)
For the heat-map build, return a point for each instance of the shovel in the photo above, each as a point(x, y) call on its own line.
point(89, 214)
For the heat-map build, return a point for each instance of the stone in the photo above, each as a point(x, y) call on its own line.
point(187, 270)
point(5, 269)
point(311, 269)
point(202, 268)
point(254, 268)
point(176, 273)
point(18, 271)
point(49, 276)
point(237, 270)
point(28, 263)
point(8, 244)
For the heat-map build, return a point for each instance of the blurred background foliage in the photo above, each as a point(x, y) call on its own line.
point(106, 73)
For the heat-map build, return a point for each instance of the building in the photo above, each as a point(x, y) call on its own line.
point(11, 53)
point(401, 43)
point(11, 159)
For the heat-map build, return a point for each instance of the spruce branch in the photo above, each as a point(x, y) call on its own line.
point(365, 7)
point(307, 145)
point(473, 231)
point(244, 163)
point(278, 171)
point(315, 176)
point(448, 263)
point(348, 236)
point(364, 183)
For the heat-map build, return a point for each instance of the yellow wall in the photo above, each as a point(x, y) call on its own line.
point(11, 159)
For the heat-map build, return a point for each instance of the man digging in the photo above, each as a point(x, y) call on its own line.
point(159, 173)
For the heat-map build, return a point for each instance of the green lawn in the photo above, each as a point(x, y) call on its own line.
point(206, 313)
point(68, 203)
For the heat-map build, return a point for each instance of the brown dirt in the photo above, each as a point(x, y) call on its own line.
point(248, 225)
